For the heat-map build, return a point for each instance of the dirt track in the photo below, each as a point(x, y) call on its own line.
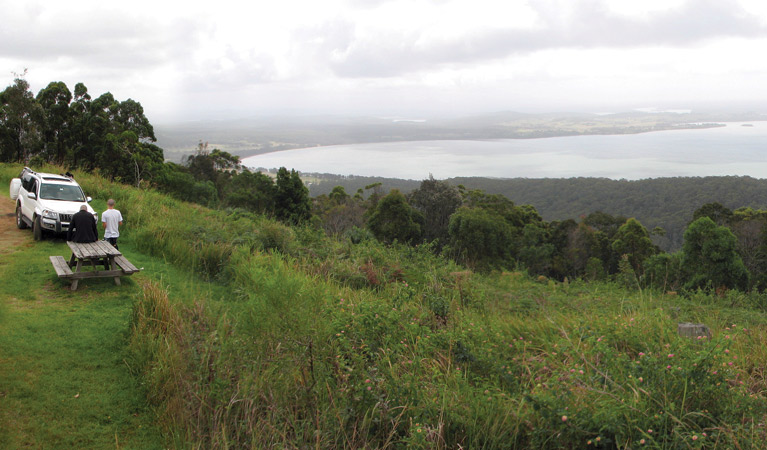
point(10, 237)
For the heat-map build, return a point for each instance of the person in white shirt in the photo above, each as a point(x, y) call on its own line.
point(111, 219)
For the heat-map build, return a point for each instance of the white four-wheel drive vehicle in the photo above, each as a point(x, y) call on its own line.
point(46, 201)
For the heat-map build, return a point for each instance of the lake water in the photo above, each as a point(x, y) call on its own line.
point(731, 150)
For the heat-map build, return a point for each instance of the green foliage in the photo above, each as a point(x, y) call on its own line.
point(595, 270)
point(54, 100)
point(574, 245)
point(750, 229)
point(211, 166)
point(338, 212)
point(714, 211)
point(604, 222)
point(116, 139)
point(710, 259)
point(22, 122)
point(626, 275)
point(62, 128)
point(292, 203)
point(393, 219)
point(251, 191)
point(338, 195)
point(480, 238)
point(437, 201)
point(665, 202)
point(633, 240)
point(174, 180)
point(664, 271)
point(536, 251)
point(498, 205)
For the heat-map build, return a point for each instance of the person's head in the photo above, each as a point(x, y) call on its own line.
point(83, 208)
point(111, 203)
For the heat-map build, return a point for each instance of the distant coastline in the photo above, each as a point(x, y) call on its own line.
point(249, 137)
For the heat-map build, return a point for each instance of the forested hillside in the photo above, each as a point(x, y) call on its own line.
point(668, 203)
point(665, 202)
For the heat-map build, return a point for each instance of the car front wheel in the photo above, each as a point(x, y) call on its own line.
point(19, 219)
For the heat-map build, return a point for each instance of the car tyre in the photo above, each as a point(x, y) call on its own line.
point(19, 219)
point(37, 229)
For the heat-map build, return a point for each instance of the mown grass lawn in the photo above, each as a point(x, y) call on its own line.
point(64, 379)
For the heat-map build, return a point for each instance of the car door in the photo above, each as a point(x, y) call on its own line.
point(28, 204)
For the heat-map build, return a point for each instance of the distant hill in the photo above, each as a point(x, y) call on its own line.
point(262, 134)
point(665, 202)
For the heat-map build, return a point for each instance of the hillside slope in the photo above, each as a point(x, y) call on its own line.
point(300, 340)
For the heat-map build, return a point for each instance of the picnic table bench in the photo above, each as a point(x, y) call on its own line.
point(105, 261)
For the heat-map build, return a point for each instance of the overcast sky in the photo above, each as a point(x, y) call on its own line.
point(224, 58)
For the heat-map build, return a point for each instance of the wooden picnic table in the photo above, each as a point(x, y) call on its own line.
point(104, 260)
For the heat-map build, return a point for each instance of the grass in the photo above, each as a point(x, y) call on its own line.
point(65, 381)
point(302, 341)
point(63, 378)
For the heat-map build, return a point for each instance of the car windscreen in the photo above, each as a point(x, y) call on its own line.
point(66, 192)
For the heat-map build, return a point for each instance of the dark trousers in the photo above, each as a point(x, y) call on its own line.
point(113, 241)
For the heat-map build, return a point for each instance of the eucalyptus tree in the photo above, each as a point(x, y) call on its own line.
point(21, 122)
point(292, 203)
point(128, 115)
point(80, 128)
point(633, 240)
point(126, 158)
point(55, 99)
point(437, 201)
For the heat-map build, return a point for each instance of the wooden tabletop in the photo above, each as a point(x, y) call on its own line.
point(98, 249)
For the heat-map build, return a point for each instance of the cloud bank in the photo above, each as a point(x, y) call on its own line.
point(369, 55)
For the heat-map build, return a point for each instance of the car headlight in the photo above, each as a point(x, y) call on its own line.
point(48, 214)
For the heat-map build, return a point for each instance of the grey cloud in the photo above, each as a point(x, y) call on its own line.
point(245, 70)
point(591, 26)
point(370, 4)
point(695, 22)
point(110, 38)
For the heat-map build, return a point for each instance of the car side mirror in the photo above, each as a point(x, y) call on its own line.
point(32, 195)
point(88, 199)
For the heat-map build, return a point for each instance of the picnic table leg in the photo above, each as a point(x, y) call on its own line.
point(72, 261)
point(113, 266)
point(77, 269)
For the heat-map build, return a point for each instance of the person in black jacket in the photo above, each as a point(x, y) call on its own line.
point(82, 227)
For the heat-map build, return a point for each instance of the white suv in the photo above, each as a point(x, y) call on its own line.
point(46, 201)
